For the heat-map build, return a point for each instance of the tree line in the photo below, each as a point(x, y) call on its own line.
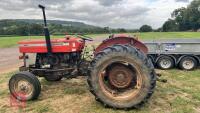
point(23, 28)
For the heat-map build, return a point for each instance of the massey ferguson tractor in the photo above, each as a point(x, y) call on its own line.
point(119, 75)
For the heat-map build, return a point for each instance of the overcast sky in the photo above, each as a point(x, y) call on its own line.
point(112, 13)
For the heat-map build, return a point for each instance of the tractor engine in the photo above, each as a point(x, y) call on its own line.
point(58, 65)
point(67, 60)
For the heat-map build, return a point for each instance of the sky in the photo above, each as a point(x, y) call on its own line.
point(129, 14)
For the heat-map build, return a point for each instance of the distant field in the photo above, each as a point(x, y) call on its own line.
point(12, 41)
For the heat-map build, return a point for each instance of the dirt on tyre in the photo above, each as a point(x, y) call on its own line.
point(165, 62)
point(188, 63)
point(122, 77)
point(24, 86)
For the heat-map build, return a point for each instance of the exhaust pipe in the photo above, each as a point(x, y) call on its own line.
point(46, 31)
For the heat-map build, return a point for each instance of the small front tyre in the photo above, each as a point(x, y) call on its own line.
point(24, 86)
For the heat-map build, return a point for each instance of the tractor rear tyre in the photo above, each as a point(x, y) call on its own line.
point(121, 77)
point(24, 86)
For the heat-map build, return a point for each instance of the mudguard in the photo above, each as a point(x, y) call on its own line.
point(122, 39)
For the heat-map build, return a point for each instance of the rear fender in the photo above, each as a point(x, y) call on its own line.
point(123, 40)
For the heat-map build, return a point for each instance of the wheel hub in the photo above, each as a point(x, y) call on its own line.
point(188, 64)
point(23, 87)
point(120, 76)
point(165, 63)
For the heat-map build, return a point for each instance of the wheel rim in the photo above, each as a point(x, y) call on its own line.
point(23, 88)
point(120, 76)
point(165, 63)
point(188, 64)
point(122, 84)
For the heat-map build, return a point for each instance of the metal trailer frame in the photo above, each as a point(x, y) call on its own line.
point(177, 49)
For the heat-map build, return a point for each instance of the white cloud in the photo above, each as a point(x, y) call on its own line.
point(113, 13)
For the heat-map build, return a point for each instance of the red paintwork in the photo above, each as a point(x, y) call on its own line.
point(67, 44)
point(122, 39)
point(76, 44)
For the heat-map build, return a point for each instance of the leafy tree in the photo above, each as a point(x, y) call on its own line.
point(170, 25)
point(32, 27)
point(22, 30)
point(146, 28)
point(36, 29)
point(186, 18)
point(193, 14)
point(121, 30)
point(106, 29)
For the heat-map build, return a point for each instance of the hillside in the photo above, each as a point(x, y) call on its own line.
point(9, 22)
point(58, 22)
point(34, 27)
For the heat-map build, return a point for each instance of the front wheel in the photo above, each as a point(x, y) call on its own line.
point(122, 77)
point(24, 86)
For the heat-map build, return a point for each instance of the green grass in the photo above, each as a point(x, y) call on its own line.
point(12, 41)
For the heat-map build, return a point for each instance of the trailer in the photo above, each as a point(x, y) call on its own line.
point(174, 53)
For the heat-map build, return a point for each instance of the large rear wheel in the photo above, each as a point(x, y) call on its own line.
point(122, 77)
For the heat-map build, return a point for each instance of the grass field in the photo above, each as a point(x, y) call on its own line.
point(12, 41)
point(181, 94)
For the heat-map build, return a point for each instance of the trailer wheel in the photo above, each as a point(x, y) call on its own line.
point(165, 62)
point(121, 77)
point(24, 86)
point(188, 63)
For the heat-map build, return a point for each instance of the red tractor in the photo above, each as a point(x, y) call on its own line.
point(119, 75)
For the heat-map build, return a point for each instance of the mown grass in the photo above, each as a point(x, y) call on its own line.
point(12, 41)
point(181, 94)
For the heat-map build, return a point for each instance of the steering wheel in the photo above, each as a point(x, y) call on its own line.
point(85, 37)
